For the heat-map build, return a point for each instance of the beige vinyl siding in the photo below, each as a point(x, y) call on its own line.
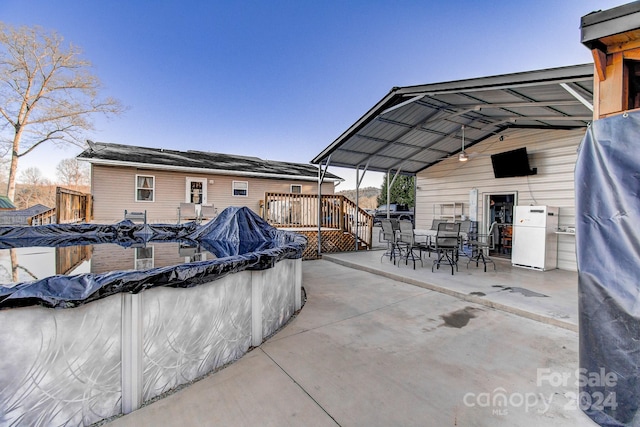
point(553, 153)
point(106, 258)
point(113, 190)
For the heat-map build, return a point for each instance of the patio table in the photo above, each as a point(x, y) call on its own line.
point(425, 235)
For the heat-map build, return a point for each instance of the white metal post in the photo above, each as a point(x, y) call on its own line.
point(131, 349)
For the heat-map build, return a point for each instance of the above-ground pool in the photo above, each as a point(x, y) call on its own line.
point(86, 343)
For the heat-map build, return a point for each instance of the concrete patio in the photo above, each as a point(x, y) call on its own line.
point(380, 345)
point(549, 297)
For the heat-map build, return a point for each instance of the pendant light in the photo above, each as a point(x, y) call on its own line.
point(463, 157)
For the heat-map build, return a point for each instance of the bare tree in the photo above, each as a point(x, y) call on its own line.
point(32, 176)
point(34, 189)
point(47, 93)
point(72, 173)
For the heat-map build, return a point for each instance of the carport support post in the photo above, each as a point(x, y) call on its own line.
point(389, 184)
point(355, 216)
point(358, 183)
point(388, 193)
point(321, 174)
point(319, 210)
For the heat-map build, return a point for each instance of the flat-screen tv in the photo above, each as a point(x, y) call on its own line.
point(512, 163)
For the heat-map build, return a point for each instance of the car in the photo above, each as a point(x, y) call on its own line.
point(396, 211)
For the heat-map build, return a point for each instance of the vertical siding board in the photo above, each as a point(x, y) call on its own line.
point(553, 153)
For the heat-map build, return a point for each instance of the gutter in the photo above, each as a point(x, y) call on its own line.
point(103, 162)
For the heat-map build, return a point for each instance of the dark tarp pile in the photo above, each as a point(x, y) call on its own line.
point(124, 233)
point(608, 252)
point(238, 237)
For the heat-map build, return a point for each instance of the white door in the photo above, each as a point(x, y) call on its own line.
point(196, 191)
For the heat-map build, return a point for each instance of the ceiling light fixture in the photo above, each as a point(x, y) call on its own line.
point(463, 157)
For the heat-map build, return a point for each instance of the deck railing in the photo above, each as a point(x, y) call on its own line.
point(71, 207)
point(289, 210)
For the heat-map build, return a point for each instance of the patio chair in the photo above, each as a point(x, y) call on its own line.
point(407, 244)
point(465, 229)
point(479, 245)
point(187, 212)
point(136, 216)
point(390, 237)
point(446, 244)
point(435, 222)
point(208, 212)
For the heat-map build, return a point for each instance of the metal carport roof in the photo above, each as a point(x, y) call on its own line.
point(415, 127)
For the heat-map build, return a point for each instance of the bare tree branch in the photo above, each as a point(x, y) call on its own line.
point(48, 93)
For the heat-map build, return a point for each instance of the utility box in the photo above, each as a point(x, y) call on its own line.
point(535, 243)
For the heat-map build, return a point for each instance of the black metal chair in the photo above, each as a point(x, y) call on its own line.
point(390, 236)
point(407, 244)
point(481, 244)
point(435, 222)
point(465, 229)
point(446, 244)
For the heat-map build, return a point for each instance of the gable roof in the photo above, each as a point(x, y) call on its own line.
point(36, 209)
point(415, 127)
point(102, 153)
point(21, 217)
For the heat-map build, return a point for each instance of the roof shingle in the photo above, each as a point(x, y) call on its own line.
point(128, 155)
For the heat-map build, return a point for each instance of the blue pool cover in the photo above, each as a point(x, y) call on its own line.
point(238, 237)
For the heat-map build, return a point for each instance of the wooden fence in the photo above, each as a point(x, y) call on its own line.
point(71, 207)
point(288, 210)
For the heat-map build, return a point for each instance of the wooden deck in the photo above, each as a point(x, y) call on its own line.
point(340, 220)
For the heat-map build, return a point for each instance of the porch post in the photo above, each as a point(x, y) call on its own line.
point(388, 193)
point(321, 174)
point(319, 209)
point(357, 202)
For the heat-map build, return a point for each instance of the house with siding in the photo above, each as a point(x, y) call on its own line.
point(157, 181)
point(445, 134)
point(9, 215)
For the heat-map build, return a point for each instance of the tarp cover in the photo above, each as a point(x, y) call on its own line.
point(238, 237)
point(608, 251)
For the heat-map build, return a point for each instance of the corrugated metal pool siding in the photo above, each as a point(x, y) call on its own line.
point(554, 153)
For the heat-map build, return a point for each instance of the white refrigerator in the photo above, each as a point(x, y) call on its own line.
point(535, 242)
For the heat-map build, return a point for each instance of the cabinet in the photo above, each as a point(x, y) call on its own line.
point(449, 211)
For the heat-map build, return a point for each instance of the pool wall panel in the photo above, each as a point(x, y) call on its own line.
point(60, 367)
point(191, 332)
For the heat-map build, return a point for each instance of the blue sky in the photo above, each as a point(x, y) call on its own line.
point(282, 80)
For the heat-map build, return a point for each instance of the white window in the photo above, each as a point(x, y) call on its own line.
point(296, 189)
point(241, 188)
point(145, 188)
point(143, 258)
